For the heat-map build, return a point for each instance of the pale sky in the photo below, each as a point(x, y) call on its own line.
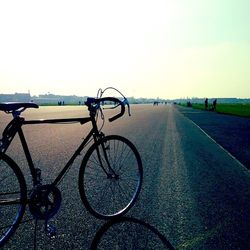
point(145, 48)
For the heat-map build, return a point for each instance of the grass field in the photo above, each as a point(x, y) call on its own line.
point(233, 109)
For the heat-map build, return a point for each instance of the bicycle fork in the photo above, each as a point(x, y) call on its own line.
point(110, 173)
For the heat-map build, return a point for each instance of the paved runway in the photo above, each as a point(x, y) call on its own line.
point(232, 132)
point(194, 194)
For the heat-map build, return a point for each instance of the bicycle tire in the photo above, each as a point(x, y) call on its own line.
point(13, 197)
point(95, 185)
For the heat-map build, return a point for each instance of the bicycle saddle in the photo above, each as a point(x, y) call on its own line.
point(14, 106)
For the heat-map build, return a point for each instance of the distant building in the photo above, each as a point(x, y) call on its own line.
point(17, 97)
point(54, 99)
point(45, 100)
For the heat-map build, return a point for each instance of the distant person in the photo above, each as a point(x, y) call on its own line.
point(214, 104)
point(206, 103)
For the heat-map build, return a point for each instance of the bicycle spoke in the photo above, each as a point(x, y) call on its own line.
point(128, 178)
point(95, 170)
point(8, 193)
point(126, 157)
point(4, 178)
point(95, 162)
point(120, 188)
point(110, 157)
point(91, 177)
point(10, 201)
point(103, 195)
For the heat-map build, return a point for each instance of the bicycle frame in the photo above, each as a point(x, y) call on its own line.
point(115, 156)
point(15, 126)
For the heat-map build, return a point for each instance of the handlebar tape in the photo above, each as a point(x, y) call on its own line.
point(115, 100)
point(111, 99)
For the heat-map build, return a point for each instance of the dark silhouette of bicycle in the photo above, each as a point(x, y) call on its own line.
point(129, 233)
point(110, 175)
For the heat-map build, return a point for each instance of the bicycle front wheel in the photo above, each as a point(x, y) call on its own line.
point(110, 177)
point(12, 197)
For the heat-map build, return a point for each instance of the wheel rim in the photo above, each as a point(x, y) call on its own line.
point(112, 194)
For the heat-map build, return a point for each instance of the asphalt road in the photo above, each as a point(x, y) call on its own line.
point(194, 194)
point(230, 131)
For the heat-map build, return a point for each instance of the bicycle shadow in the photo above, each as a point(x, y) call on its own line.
point(129, 233)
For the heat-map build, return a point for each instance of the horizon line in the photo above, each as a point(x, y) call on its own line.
point(162, 98)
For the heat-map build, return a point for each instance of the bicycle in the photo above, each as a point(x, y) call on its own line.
point(110, 175)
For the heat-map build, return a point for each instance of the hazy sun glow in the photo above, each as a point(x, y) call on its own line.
point(146, 48)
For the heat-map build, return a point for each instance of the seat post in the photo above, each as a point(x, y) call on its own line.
point(17, 113)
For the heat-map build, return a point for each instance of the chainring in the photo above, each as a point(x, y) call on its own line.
point(45, 201)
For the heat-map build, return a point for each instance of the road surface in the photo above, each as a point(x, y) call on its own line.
point(194, 193)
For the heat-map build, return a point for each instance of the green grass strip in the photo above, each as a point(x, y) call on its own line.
point(239, 109)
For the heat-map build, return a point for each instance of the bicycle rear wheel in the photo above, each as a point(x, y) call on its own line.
point(13, 195)
point(110, 177)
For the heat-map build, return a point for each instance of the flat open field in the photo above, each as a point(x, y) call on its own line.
point(194, 194)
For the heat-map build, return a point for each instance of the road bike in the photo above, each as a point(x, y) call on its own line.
point(110, 175)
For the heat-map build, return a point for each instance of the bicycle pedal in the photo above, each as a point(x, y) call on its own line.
point(51, 231)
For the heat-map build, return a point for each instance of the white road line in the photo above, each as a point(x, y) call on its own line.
point(243, 166)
